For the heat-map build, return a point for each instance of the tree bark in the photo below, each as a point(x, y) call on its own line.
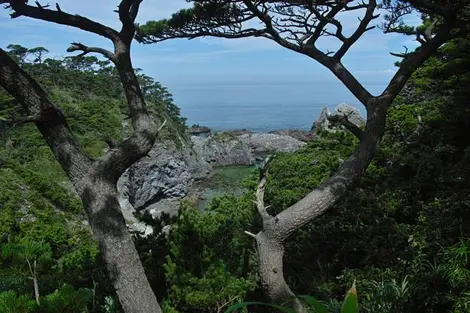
point(277, 229)
point(271, 253)
point(100, 200)
point(95, 180)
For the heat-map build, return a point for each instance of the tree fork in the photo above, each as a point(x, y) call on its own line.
point(95, 180)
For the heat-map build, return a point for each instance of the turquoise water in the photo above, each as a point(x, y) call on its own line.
point(227, 180)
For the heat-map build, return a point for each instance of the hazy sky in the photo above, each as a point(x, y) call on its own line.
point(184, 63)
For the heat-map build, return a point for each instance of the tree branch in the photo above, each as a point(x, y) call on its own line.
point(128, 10)
point(320, 199)
point(343, 120)
point(260, 190)
point(20, 8)
point(48, 118)
point(76, 46)
point(361, 29)
point(202, 33)
point(413, 60)
point(126, 153)
point(250, 234)
point(22, 120)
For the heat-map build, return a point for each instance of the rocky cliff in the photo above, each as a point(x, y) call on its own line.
point(155, 181)
point(158, 182)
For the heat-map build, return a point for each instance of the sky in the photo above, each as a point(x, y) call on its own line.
point(182, 64)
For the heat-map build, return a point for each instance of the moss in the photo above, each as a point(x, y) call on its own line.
point(224, 136)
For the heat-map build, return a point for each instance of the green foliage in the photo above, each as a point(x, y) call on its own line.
point(349, 305)
point(67, 299)
point(41, 219)
point(11, 302)
point(212, 13)
point(402, 233)
point(204, 268)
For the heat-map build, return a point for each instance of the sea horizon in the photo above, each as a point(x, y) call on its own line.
point(261, 107)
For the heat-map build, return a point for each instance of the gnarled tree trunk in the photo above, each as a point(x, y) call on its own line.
point(95, 180)
point(100, 200)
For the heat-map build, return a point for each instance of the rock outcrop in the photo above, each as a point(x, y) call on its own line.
point(302, 135)
point(352, 113)
point(158, 182)
point(262, 142)
point(223, 149)
point(165, 174)
point(198, 130)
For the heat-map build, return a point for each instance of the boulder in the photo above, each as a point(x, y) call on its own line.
point(323, 122)
point(353, 114)
point(197, 130)
point(166, 173)
point(223, 149)
point(263, 142)
point(301, 135)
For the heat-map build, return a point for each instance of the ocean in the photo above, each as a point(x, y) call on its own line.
point(261, 107)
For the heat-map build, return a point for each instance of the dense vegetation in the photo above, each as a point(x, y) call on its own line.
point(403, 232)
point(43, 232)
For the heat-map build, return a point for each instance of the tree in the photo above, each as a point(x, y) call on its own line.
point(18, 52)
point(298, 26)
point(38, 53)
point(33, 254)
point(94, 179)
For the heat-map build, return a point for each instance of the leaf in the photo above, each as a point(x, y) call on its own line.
point(245, 304)
point(317, 305)
point(350, 301)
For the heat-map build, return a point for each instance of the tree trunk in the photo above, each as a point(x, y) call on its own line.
point(277, 229)
point(100, 199)
point(271, 253)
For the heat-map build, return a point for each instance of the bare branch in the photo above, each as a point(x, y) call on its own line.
point(41, 6)
point(76, 46)
point(250, 234)
point(361, 29)
point(161, 126)
point(264, 17)
point(20, 8)
point(22, 120)
point(260, 190)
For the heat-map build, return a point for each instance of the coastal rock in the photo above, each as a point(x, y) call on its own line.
point(263, 142)
point(166, 173)
point(197, 129)
point(301, 135)
point(322, 121)
point(223, 149)
point(238, 132)
point(159, 181)
point(353, 114)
